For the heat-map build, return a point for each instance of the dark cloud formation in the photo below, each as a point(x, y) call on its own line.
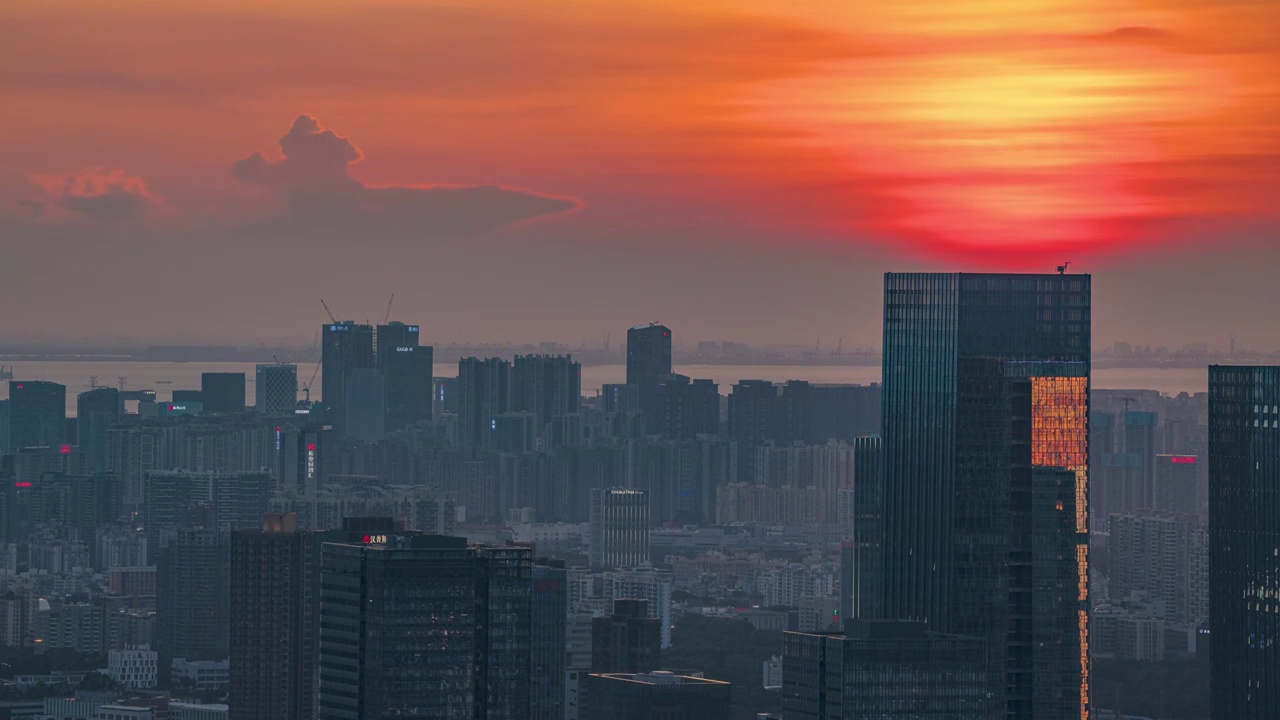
point(312, 177)
point(94, 192)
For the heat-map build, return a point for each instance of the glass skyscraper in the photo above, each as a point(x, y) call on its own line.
point(985, 446)
point(1244, 542)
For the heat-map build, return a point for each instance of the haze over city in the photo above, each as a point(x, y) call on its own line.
point(639, 360)
point(552, 171)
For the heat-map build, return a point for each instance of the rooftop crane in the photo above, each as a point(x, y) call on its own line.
point(328, 312)
point(306, 389)
point(1062, 269)
point(386, 317)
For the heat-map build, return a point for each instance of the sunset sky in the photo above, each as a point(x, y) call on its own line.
point(738, 169)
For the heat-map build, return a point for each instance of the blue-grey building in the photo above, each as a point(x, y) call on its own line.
point(1244, 542)
point(550, 619)
point(985, 411)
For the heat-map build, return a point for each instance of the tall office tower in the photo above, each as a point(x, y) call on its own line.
point(884, 670)
point(344, 347)
point(648, 362)
point(483, 394)
point(1244, 524)
point(424, 626)
point(37, 414)
point(985, 443)
point(365, 411)
point(547, 661)
point(272, 625)
point(222, 392)
point(96, 412)
point(627, 640)
point(659, 695)
point(860, 553)
point(407, 371)
point(193, 595)
point(619, 528)
point(275, 389)
point(546, 385)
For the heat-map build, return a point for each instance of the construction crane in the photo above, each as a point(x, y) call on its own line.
point(306, 389)
point(328, 312)
point(386, 316)
point(1062, 269)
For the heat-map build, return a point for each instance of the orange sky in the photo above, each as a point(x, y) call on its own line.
point(961, 128)
point(582, 139)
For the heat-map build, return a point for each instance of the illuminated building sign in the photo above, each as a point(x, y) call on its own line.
point(404, 349)
point(338, 328)
point(65, 449)
point(1183, 459)
point(22, 484)
point(375, 539)
point(311, 461)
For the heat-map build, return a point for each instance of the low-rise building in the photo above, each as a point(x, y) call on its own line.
point(133, 668)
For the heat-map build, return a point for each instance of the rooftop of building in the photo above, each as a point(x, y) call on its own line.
point(659, 677)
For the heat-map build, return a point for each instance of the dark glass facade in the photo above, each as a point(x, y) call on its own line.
point(96, 412)
point(626, 641)
point(407, 371)
point(884, 670)
point(193, 595)
point(1244, 542)
point(424, 627)
point(648, 362)
point(222, 392)
point(37, 414)
point(985, 442)
point(344, 347)
point(860, 554)
point(547, 665)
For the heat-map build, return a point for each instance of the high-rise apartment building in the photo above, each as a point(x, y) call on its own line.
point(648, 362)
point(1154, 564)
point(222, 392)
point(37, 414)
point(276, 389)
point(547, 386)
point(344, 347)
point(619, 528)
point(686, 408)
point(406, 368)
point(273, 627)
point(986, 455)
point(193, 595)
point(1244, 542)
point(483, 395)
point(425, 627)
point(97, 410)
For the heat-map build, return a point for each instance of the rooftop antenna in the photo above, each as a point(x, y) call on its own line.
point(1062, 269)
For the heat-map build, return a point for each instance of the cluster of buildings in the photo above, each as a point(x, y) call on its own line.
point(958, 541)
